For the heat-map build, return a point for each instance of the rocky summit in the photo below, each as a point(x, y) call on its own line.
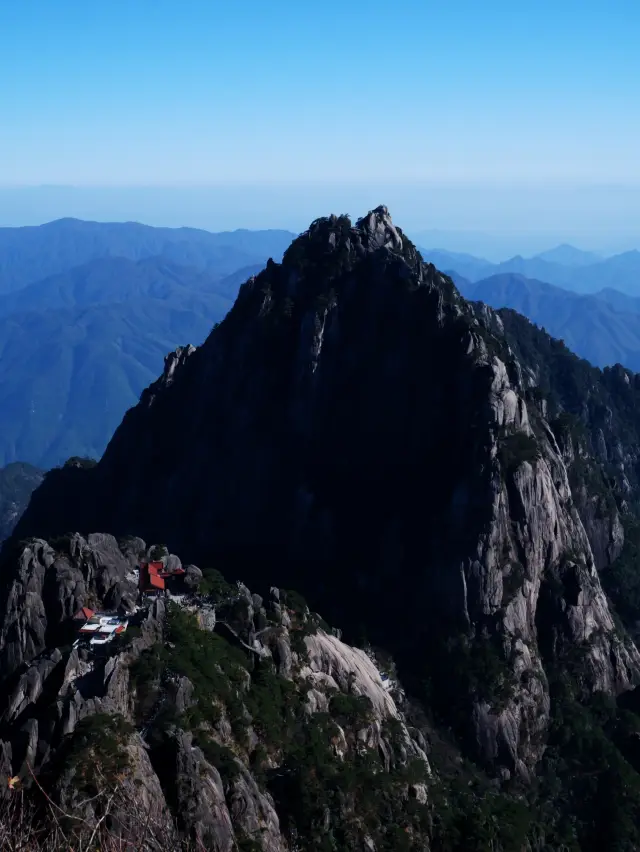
point(453, 490)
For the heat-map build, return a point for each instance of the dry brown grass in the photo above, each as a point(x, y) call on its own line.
point(120, 827)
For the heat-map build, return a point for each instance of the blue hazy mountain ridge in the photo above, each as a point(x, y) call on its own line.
point(619, 301)
point(78, 348)
point(230, 284)
point(568, 255)
point(88, 311)
point(118, 279)
point(32, 253)
point(70, 374)
point(620, 272)
point(603, 328)
point(17, 482)
point(467, 265)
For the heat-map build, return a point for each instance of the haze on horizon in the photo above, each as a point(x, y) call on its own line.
point(505, 129)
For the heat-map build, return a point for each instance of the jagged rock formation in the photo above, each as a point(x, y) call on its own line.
point(356, 429)
point(201, 737)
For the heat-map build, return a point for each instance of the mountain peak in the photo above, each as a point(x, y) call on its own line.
point(372, 232)
point(378, 230)
point(567, 255)
point(324, 262)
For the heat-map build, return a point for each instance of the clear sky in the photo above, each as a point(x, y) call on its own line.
point(175, 92)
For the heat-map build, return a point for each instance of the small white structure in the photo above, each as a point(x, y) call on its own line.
point(101, 628)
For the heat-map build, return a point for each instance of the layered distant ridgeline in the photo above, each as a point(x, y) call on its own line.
point(565, 266)
point(591, 303)
point(32, 253)
point(441, 481)
point(79, 345)
point(17, 483)
point(604, 328)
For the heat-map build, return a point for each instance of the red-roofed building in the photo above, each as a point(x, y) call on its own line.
point(160, 569)
point(177, 572)
point(150, 581)
point(84, 614)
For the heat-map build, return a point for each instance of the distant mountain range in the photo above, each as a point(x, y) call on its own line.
point(117, 279)
point(604, 328)
point(30, 254)
point(564, 266)
point(78, 345)
point(567, 255)
point(69, 373)
point(89, 310)
point(17, 482)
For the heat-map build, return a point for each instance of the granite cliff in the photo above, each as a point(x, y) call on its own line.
point(415, 466)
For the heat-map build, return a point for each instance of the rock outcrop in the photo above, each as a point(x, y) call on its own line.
point(189, 726)
point(50, 583)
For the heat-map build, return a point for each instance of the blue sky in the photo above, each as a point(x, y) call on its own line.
point(291, 94)
point(196, 91)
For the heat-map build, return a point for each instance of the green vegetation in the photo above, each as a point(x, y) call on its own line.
point(247, 844)
point(310, 777)
point(219, 756)
point(351, 710)
point(517, 448)
point(96, 750)
point(61, 544)
point(214, 584)
point(298, 633)
point(145, 673)
point(468, 819)
point(83, 462)
point(566, 426)
point(272, 702)
point(589, 789)
point(159, 551)
point(294, 601)
point(621, 580)
point(482, 674)
point(213, 666)
point(313, 778)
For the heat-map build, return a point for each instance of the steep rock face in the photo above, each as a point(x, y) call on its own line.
point(200, 796)
point(334, 664)
point(357, 426)
point(594, 415)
